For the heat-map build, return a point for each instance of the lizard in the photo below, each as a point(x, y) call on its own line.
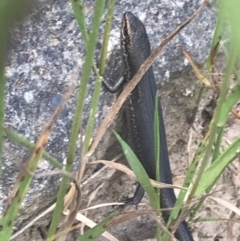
point(140, 104)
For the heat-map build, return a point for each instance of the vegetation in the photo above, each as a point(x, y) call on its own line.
point(205, 169)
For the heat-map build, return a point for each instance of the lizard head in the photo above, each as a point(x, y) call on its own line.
point(134, 41)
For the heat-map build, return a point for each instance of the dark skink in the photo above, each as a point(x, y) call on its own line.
point(140, 114)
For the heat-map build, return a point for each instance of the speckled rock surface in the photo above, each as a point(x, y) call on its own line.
point(43, 53)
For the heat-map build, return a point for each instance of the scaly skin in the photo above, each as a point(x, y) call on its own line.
point(140, 115)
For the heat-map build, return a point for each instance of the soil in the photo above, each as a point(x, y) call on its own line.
point(178, 101)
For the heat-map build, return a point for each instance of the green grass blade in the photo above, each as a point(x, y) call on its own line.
point(157, 138)
point(217, 36)
point(231, 14)
point(157, 156)
point(77, 7)
point(230, 101)
point(98, 84)
point(77, 121)
point(22, 141)
point(187, 181)
point(211, 175)
point(22, 184)
point(7, 221)
point(218, 144)
point(92, 114)
point(96, 231)
point(2, 91)
point(107, 30)
point(139, 171)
